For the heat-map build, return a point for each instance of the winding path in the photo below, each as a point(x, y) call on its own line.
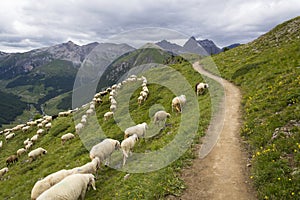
point(222, 173)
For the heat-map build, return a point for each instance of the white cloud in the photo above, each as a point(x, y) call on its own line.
point(54, 21)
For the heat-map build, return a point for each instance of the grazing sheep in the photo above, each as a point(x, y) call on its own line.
point(88, 168)
point(145, 89)
point(92, 106)
point(144, 95)
point(31, 123)
point(103, 93)
point(113, 108)
point(97, 100)
point(34, 138)
point(161, 116)
point(26, 141)
point(21, 151)
point(89, 111)
point(140, 100)
point(113, 101)
point(66, 137)
point(127, 146)
point(11, 159)
point(1, 144)
point(10, 136)
point(178, 103)
point(47, 182)
point(26, 128)
point(48, 126)
point(139, 130)
point(36, 153)
point(28, 145)
point(108, 115)
point(83, 120)
point(65, 113)
point(40, 131)
point(78, 127)
point(72, 187)
point(200, 88)
point(104, 149)
point(3, 171)
point(40, 125)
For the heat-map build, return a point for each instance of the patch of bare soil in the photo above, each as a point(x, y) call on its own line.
point(222, 173)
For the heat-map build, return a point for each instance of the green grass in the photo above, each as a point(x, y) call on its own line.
point(267, 71)
point(110, 183)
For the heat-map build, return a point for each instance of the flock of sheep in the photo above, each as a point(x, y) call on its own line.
point(73, 183)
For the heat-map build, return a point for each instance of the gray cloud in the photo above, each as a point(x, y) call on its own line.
point(27, 24)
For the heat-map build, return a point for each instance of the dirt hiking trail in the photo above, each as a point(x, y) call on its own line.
point(223, 173)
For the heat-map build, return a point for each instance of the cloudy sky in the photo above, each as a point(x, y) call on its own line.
point(29, 24)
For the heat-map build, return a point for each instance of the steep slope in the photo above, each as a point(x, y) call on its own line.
point(110, 183)
point(267, 71)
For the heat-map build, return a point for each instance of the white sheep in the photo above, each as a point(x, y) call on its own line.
point(178, 103)
point(28, 145)
point(144, 95)
point(26, 128)
point(145, 89)
point(10, 136)
point(161, 116)
point(36, 153)
point(88, 168)
point(3, 171)
point(1, 144)
point(21, 151)
point(66, 137)
point(140, 100)
point(113, 108)
point(40, 131)
point(72, 187)
point(83, 120)
point(40, 125)
point(34, 138)
point(113, 101)
point(48, 125)
point(89, 111)
point(26, 141)
point(139, 130)
point(104, 149)
point(108, 115)
point(200, 88)
point(31, 123)
point(47, 182)
point(78, 127)
point(92, 106)
point(127, 145)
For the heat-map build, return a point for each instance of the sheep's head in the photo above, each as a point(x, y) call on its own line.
point(136, 138)
point(44, 151)
point(168, 115)
point(145, 124)
point(92, 181)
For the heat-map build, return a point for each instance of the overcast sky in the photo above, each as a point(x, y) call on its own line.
point(29, 24)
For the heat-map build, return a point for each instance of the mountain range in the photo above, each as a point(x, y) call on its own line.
point(45, 76)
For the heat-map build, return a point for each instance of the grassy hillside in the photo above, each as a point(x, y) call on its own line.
point(11, 106)
point(110, 183)
point(38, 86)
point(268, 73)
